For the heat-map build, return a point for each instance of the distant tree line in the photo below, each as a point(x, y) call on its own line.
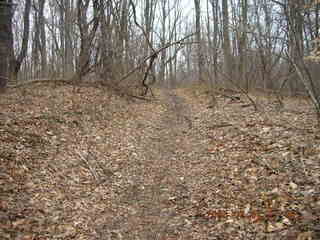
point(270, 45)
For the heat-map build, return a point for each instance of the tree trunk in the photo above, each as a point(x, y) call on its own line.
point(163, 54)
point(68, 32)
point(5, 32)
point(215, 12)
point(35, 43)
point(123, 36)
point(105, 42)
point(228, 61)
point(295, 22)
point(43, 43)
point(198, 37)
point(15, 63)
point(86, 35)
point(243, 44)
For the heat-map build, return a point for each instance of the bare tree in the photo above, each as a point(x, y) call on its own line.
point(5, 41)
point(87, 33)
point(43, 38)
point(105, 42)
point(242, 46)
point(15, 62)
point(68, 29)
point(164, 16)
point(213, 41)
point(39, 45)
point(212, 36)
point(198, 37)
point(295, 21)
point(228, 59)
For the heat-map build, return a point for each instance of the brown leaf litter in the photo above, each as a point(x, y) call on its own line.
point(92, 165)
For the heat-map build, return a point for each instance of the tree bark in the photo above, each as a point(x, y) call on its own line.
point(43, 41)
point(243, 44)
point(15, 63)
point(86, 35)
point(163, 55)
point(228, 61)
point(105, 43)
point(5, 32)
point(295, 22)
point(198, 37)
point(35, 42)
point(68, 44)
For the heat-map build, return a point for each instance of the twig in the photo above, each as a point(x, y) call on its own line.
point(93, 173)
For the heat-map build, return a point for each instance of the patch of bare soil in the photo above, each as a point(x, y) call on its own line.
point(87, 164)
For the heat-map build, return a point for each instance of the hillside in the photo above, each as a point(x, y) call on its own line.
point(89, 164)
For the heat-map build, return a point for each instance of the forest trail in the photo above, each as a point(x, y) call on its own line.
point(91, 165)
point(167, 153)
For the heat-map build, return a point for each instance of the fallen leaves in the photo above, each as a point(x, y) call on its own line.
point(89, 165)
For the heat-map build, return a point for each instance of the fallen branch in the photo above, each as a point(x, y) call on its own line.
point(153, 55)
point(242, 91)
point(122, 92)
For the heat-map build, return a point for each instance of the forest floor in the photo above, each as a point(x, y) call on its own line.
point(88, 164)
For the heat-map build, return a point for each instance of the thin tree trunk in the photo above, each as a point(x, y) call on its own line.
point(68, 44)
point(212, 51)
point(35, 42)
point(228, 61)
point(243, 44)
point(15, 63)
point(105, 42)
point(213, 43)
point(198, 37)
point(43, 46)
point(163, 55)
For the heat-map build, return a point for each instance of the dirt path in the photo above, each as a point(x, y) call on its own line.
point(161, 176)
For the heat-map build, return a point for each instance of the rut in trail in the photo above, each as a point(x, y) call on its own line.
point(177, 116)
point(161, 175)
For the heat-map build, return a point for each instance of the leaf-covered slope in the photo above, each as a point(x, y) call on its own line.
point(91, 165)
